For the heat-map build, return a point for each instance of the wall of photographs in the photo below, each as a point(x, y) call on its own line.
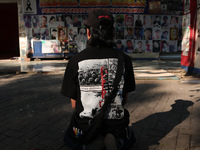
point(133, 32)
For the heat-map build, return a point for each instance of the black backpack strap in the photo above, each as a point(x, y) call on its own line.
point(118, 76)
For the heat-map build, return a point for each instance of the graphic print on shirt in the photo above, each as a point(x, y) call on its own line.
point(96, 77)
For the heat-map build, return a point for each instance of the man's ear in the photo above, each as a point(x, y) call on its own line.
point(88, 34)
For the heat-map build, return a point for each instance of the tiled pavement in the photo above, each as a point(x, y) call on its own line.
point(165, 114)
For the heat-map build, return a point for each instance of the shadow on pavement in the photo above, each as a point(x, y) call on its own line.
point(153, 128)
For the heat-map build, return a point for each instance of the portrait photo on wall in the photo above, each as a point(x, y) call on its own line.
point(119, 33)
point(139, 19)
point(129, 46)
point(129, 33)
point(148, 46)
point(147, 34)
point(173, 33)
point(62, 33)
point(164, 46)
point(139, 46)
point(84, 17)
point(52, 21)
point(165, 22)
point(64, 46)
point(35, 21)
point(119, 45)
point(119, 20)
point(27, 21)
point(36, 33)
point(156, 46)
point(172, 46)
point(156, 33)
point(156, 21)
point(44, 33)
point(43, 21)
point(60, 20)
point(81, 39)
point(54, 33)
point(68, 21)
point(165, 34)
point(77, 19)
point(174, 22)
point(147, 21)
point(72, 33)
point(129, 20)
point(138, 34)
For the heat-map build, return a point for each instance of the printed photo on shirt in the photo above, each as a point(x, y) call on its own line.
point(95, 78)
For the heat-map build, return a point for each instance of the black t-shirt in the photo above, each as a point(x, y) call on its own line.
point(89, 76)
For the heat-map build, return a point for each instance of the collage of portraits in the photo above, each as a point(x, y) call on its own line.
point(133, 33)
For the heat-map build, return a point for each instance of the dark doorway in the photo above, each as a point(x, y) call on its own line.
point(9, 38)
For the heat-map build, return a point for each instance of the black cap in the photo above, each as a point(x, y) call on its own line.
point(96, 16)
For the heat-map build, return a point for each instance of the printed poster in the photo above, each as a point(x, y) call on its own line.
point(29, 7)
point(50, 46)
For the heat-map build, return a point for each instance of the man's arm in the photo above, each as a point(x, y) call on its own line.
point(125, 97)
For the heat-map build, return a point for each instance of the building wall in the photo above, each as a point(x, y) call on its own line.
point(9, 29)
